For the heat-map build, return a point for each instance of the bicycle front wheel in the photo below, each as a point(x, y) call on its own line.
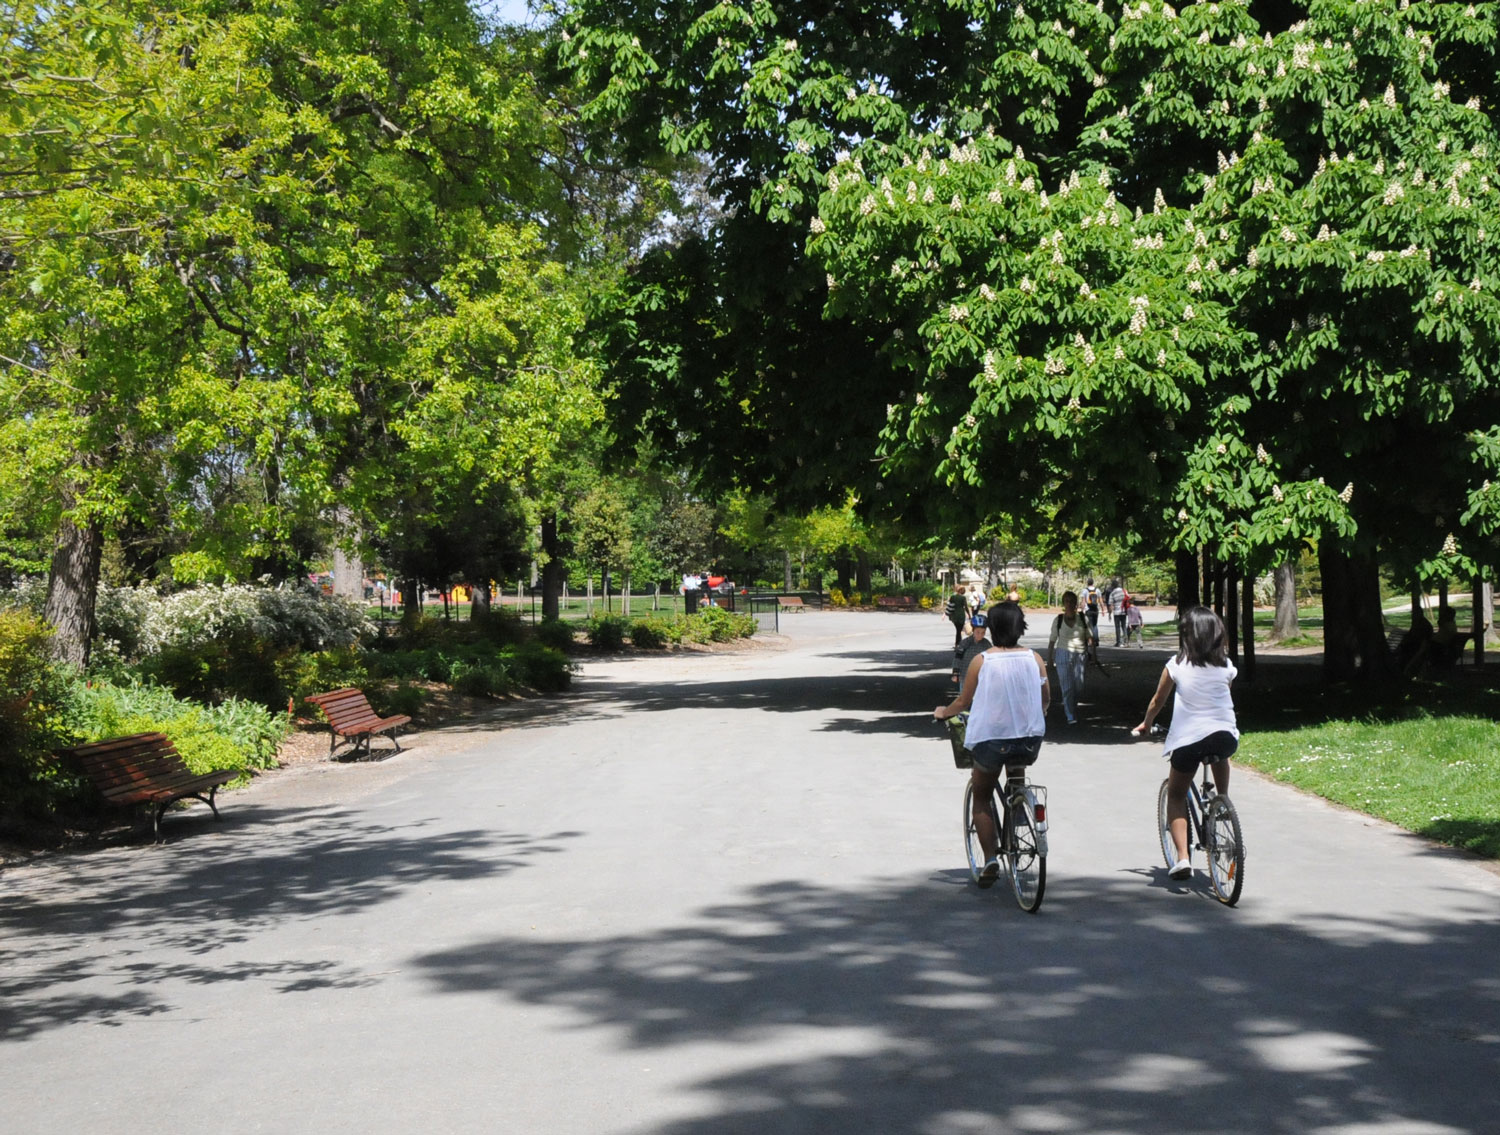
point(1226, 850)
point(1164, 830)
point(972, 847)
point(1026, 858)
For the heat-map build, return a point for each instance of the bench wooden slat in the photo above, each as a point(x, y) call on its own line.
point(350, 715)
point(144, 769)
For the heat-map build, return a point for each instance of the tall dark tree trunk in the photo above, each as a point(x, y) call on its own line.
point(1247, 621)
point(1187, 582)
point(552, 568)
point(1286, 625)
point(862, 572)
point(1354, 643)
point(786, 569)
point(411, 599)
point(73, 590)
point(1231, 614)
point(841, 570)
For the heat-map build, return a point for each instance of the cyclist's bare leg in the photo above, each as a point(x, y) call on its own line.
point(1220, 770)
point(984, 824)
point(1178, 784)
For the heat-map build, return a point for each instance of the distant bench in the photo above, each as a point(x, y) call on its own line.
point(144, 768)
point(790, 603)
point(350, 716)
point(897, 602)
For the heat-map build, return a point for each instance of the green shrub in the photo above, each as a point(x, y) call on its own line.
point(607, 632)
point(320, 672)
point(654, 633)
point(36, 711)
point(235, 735)
point(554, 633)
point(714, 624)
point(500, 626)
point(400, 698)
point(542, 668)
point(479, 679)
point(836, 598)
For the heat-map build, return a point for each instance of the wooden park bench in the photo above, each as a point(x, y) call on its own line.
point(350, 716)
point(790, 603)
point(897, 602)
point(144, 768)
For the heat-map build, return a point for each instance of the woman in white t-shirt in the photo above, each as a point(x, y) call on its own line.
point(1203, 728)
point(1008, 690)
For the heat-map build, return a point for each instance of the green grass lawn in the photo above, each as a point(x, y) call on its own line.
point(1437, 776)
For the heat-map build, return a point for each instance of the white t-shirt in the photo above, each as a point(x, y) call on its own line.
point(1008, 699)
point(1203, 704)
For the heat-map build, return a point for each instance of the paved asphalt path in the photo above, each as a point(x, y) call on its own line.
point(726, 893)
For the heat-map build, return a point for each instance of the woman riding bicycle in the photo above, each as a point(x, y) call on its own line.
point(1203, 729)
point(1008, 690)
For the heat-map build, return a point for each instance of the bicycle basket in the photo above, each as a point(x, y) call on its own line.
point(956, 728)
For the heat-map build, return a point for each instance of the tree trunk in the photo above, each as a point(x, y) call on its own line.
point(1286, 625)
point(786, 569)
point(862, 572)
point(551, 568)
point(1247, 619)
point(1187, 582)
point(411, 599)
point(73, 590)
point(841, 570)
point(1354, 643)
point(1231, 615)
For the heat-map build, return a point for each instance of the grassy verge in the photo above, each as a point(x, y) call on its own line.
point(1436, 776)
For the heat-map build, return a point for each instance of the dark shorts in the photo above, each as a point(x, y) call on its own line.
point(993, 756)
point(1218, 746)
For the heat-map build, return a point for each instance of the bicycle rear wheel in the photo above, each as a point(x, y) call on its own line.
point(1226, 850)
point(1026, 860)
point(1168, 848)
point(972, 847)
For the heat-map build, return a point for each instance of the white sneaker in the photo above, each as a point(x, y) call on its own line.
point(1182, 869)
point(990, 873)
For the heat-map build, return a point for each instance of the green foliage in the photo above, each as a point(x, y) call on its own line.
point(715, 624)
point(655, 632)
point(607, 632)
point(478, 667)
point(390, 699)
point(234, 735)
point(36, 713)
point(556, 634)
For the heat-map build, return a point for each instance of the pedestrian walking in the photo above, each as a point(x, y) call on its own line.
point(1071, 629)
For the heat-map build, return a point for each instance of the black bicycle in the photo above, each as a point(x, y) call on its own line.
point(1021, 824)
point(1214, 829)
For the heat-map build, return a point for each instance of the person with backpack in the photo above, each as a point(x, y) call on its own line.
point(1091, 599)
point(1072, 629)
point(957, 611)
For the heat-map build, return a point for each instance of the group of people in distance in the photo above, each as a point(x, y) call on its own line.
point(1006, 692)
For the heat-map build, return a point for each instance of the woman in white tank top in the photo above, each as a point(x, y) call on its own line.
point(1008, 690)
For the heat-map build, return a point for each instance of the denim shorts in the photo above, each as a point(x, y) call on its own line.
point(1215, 747)
point(993, 756)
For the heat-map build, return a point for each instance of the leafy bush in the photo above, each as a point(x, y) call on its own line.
point(554, 633)
point(607, 632)
point(302, 674)
point(477, 667)
point(836, 598)
point(36, 707)
point(479, 679)
point(714, 624)
point(399, 698)
point(234, 735)
point(655, 633)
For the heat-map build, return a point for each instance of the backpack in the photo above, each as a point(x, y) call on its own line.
point(1091, 597)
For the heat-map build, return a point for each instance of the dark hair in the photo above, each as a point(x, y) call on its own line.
point(1073, 595)
point(1202, 638)
point(1007, 623)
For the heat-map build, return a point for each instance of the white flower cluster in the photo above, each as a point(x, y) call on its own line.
point(1348, 494)
point(989, 367)
point(1261, 455)
point(1138, 305)
point(1026, 285)
point(987, 293)
point(1055, 365)
point(958, 312)
point(1150, 241)
point(867, 206)
point(1439, 91)
point(1277, 494)
point(1389, 98)
point(817, 225)
point(1450, 546)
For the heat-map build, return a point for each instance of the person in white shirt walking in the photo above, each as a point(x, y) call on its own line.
point(1203, 726)
point(1072, 630)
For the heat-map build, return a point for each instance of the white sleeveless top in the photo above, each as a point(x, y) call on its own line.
point(1008, 699)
